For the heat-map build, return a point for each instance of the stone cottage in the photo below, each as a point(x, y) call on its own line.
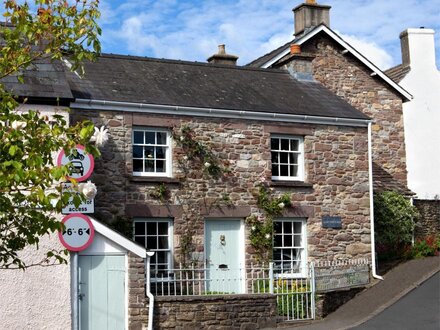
point(264, 127)
point(196, 149)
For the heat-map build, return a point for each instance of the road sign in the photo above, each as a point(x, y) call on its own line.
point(87, 206)
point(78, 232)
point(82, 163)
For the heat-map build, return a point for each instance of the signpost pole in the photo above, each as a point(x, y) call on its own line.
point(75, 291)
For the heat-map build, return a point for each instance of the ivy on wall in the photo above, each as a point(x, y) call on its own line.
point(261, 229)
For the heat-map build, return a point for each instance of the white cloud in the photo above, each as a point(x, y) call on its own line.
point(191, 30)
point(370, 50)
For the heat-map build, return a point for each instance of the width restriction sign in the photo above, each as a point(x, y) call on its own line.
point(78, 232)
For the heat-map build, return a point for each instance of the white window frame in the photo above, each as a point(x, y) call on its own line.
point(300, 152)
point(303, 247)
point(170, 242)
point(168, 153)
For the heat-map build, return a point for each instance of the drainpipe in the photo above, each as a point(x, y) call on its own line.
point(370, 179)
point(411, 200)
point(149, 294)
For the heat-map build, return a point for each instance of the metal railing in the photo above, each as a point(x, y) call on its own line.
point(294, 288)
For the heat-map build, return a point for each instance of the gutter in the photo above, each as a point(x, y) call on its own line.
point(149, 294)
point(370, 181)
point(87, 104)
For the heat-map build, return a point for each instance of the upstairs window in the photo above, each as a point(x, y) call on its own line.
point(287, 158)
point(151, 152)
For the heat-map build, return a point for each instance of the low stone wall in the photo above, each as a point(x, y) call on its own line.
point(429, 223)
point(215, 312)
point(328, 302)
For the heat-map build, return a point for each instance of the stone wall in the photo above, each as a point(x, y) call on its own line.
point(137, 301)
point(336, 181)
point(347, 77)
point(328, 302)
point(429, 223)
point(216, 312)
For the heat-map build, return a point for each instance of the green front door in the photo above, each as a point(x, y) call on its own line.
point(101, 292)
point(223, 256)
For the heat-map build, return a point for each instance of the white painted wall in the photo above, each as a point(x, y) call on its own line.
point(422, 115)
point(38, 298)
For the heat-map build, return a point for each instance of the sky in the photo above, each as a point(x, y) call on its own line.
point(193, 29)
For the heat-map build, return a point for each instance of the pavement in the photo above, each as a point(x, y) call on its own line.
point(381, 294)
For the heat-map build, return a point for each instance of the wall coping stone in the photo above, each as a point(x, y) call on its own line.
point(213, 297)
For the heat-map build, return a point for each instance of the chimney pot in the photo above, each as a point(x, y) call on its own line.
point(222, 58)
point(221, 49)
point(295, 49)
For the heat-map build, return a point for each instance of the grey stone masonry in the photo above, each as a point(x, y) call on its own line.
point(429, 223)
point(216, 312)
point(137, 302)
point(335, 184)
point(348, 78)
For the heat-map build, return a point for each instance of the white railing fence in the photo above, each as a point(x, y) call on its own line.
point(293, 287)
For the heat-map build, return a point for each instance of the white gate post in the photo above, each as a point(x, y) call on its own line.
point(271, 277)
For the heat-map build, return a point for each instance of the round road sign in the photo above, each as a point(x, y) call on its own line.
point(78, 232)
point(82, 163)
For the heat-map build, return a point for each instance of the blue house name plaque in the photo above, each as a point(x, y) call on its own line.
point(331, 222)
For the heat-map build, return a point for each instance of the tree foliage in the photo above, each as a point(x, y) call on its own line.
point(30, 183)
point(394, 218)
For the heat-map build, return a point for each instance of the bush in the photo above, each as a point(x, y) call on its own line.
point(394, 220)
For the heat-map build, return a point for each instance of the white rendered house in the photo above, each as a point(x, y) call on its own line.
point(419, 75)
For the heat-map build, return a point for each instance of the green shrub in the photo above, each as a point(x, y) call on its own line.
point(394, 219)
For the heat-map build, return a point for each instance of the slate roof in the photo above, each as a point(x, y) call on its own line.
point(43, 80)
point(398, 72)
point(258, 62)
point(384, 181)
point(192, 84)
point(276, 55)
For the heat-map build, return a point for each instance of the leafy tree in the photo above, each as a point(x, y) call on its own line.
point(394, 219)
point(30, 183)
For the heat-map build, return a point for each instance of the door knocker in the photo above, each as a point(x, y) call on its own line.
point(222, 240)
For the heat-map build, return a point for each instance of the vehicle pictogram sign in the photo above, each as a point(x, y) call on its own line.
point(82, 164)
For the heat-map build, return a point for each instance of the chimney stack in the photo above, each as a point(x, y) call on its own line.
point(310, 14)
point(418, 48)
point(222, 58)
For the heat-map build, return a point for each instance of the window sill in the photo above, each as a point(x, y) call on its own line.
point(298, 184)
point(154, 179)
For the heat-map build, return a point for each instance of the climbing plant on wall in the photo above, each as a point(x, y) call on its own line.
point(261, 228)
